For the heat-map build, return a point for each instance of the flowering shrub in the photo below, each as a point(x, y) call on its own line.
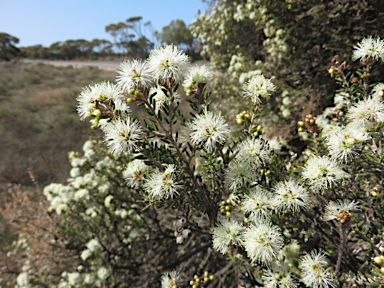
point(178, 194)
point(291, 41)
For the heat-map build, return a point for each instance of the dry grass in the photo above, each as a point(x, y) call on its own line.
point(38, 120)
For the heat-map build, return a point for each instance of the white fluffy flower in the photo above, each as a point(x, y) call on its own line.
point(122, 135)
point(85, 254)
point(369, 48)
point(340, 99)
point(254, 151)
point(227, 233)
point(168, 63)
point(276, 143)
point(258, 87)
point(343, 142)
point(160, 98)
point(97, 100)
point(378, 91)
point(134, 74)
point(102, 273)
point(93, 245)
point(208, 129)
point(257, 204)
point(23, 280)
point(170, 279)
point(74, 278)
point(340, 210)
point(366, 112)
point(290, 196)
point(313, 272)
point(197, 75)
point(323, 172)
point(279, 276)
point(135, 173)
point(162, 185)
point(238, 174)
point(263, 242)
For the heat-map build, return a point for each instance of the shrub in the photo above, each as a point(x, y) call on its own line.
point(177, 195)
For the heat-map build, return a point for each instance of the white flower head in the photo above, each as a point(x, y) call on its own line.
point(323, 172)
point(343, 142)
point(340, 210)
point(263, 242)
point(313, 272)
point(378, 91)
point(279, 276)
point(93, 245)
point(257, 204)
point(258, 87)
point(85, 254)
point(254, 151)
point(365, 112)
point(238, 173)
point(341, 99)
point(168, 63)
point(369, 48)
point(134, 74)
point(208, 130)
point(122, 135)
point(135, 173)
point(161, 98)
point(163, 185)
point(103, 273)
point(170, 279)
point(276, 143)
point(227, 233)
point(290, 196)
point(197, 75)
point(97, 100)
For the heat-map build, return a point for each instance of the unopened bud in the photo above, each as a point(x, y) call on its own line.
point(131, 100)
point(96, 113)
point(131, 91)
point(373, 193)
point(300, 123)
point(378, 260)
point(137, 93)
point(301, 129)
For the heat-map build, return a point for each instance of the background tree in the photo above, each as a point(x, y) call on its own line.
point(129, 37)
point(8, 50)
point(177, 33)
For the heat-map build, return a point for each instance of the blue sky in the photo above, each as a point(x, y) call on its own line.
point(48, 21)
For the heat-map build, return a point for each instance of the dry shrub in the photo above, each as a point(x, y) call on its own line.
point(25, 211)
